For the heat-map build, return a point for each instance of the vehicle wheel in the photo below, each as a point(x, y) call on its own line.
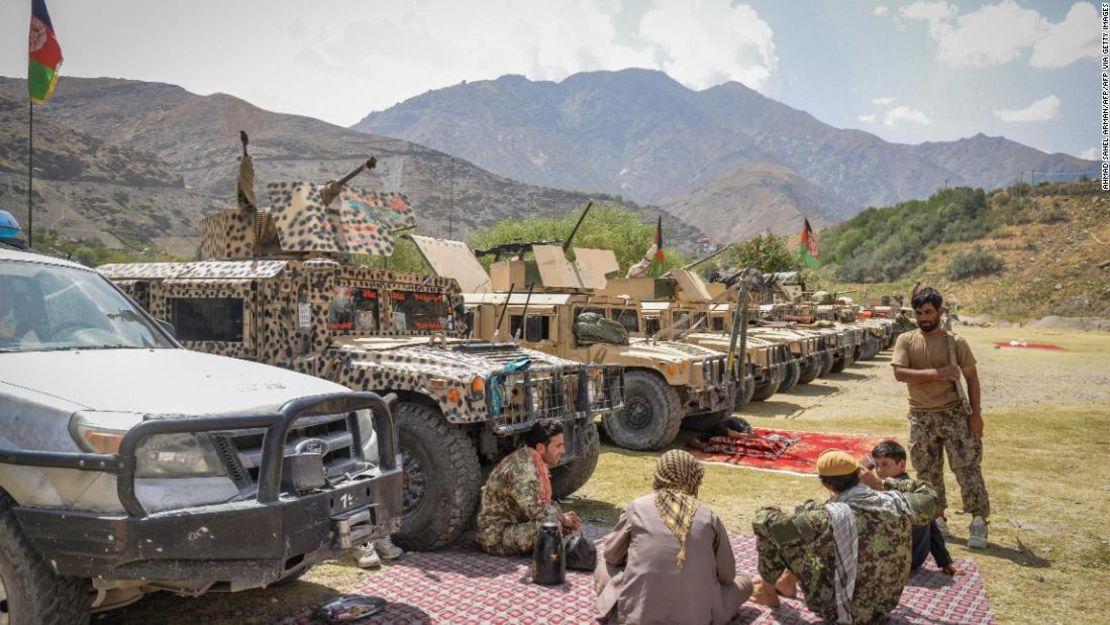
point(793, 370)
point(764, 391)
point(827, 365)
point(703, 422)
point(811, 369)
point(442, 478)
point(651, 416)
point(569, 477)
point(30, 593)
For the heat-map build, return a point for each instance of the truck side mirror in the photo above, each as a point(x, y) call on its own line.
point(168, 327)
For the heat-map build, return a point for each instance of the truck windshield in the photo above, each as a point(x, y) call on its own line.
point(46, 307)
point(414, 311)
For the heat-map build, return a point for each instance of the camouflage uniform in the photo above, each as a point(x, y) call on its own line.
point(513, 506)
point(947, 431)
point(803, 543)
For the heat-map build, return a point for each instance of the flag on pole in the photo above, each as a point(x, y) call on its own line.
point(657, 261)
point(44, 54)
point(807, 250)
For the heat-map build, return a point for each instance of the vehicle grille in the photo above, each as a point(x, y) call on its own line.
point(241, 450)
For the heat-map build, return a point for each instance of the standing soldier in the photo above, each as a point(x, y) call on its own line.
point(943, 418)
point(851, 555)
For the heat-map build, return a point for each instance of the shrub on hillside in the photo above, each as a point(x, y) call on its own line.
point(978, 262)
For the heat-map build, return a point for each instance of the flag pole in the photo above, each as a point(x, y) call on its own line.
point(30, 171)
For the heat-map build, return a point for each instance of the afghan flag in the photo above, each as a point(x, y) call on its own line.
point(807, 249)
point(657, 261)
point(44, 54)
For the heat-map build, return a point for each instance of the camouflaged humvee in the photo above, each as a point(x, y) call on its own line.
point(282, 286)
point(668, 385)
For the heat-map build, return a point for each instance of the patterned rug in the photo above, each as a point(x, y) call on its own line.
point(799, 457)
point(471, 588)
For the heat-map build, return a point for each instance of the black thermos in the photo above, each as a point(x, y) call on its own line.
point(549, 566)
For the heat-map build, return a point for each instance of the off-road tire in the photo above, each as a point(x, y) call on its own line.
point(827, 365)
point(811, 370)
point(764, 391)
point(703, 422)
point(793, 371)
point(451, 473)
point(36, 596)
point(569, 477)
point(645, 390)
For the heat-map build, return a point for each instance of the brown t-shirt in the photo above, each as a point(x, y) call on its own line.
point(914, 350)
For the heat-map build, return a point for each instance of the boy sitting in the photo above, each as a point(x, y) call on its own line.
point(890, 462)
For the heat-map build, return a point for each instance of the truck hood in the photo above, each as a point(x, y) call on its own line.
point(158, 381)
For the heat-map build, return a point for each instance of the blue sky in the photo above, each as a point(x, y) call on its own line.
point(906, 71)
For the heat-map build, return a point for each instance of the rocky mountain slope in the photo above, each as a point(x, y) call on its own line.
point(641, 134)
point(175, 160)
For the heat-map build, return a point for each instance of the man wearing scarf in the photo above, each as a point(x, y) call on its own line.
point(851, 555)
point(668, 561)
point(517, 496)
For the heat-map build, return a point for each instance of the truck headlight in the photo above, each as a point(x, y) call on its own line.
point(177, 455)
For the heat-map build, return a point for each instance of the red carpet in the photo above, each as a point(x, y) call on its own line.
point(1024, 345)
point(799, 457)
point(469, 587)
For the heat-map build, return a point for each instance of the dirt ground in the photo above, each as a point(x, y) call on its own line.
point(1046, 451)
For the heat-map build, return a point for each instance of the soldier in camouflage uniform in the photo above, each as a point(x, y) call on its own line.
point(944, 420)
point(517, 496)
point(814, 546)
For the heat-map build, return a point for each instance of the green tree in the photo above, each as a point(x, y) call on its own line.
point(606, 227)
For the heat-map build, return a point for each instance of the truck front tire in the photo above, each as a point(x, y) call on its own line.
point(31, 594)
point(651, 416)
point(442, 478)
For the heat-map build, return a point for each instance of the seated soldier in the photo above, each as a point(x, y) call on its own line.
point(517, 496)
point(890, 463)
point(732, 427)
point(851, 555)
point(668, 561)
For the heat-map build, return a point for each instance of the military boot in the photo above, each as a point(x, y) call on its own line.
point(977, 533)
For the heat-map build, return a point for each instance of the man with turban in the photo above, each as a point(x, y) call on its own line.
point(668, 561)
point(851, 555)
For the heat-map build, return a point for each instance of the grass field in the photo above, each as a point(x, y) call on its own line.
point(1047, 444)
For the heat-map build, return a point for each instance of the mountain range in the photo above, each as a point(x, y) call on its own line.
point(726, 159)
point(140, 163)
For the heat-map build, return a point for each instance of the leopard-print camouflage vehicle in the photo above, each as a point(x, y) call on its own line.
point(279, 286)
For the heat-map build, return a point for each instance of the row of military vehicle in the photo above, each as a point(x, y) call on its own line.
point(465, 371)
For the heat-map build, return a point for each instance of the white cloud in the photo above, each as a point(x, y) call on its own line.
point(1089, 154)
point(1042, 110)
point(900, 114)
point(702, 43)
point(1072, 39)
point(999, 33)
point(884, 101)
point(867, 119)
point(881, 10)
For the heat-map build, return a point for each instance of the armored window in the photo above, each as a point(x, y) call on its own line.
point(207, 318)
point(537, 329)
point(353, 309)
point(420, 312)
point(627, 317)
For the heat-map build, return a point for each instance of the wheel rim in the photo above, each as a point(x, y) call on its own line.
point(637, 414)
point(3, 602)
point(415, 481)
